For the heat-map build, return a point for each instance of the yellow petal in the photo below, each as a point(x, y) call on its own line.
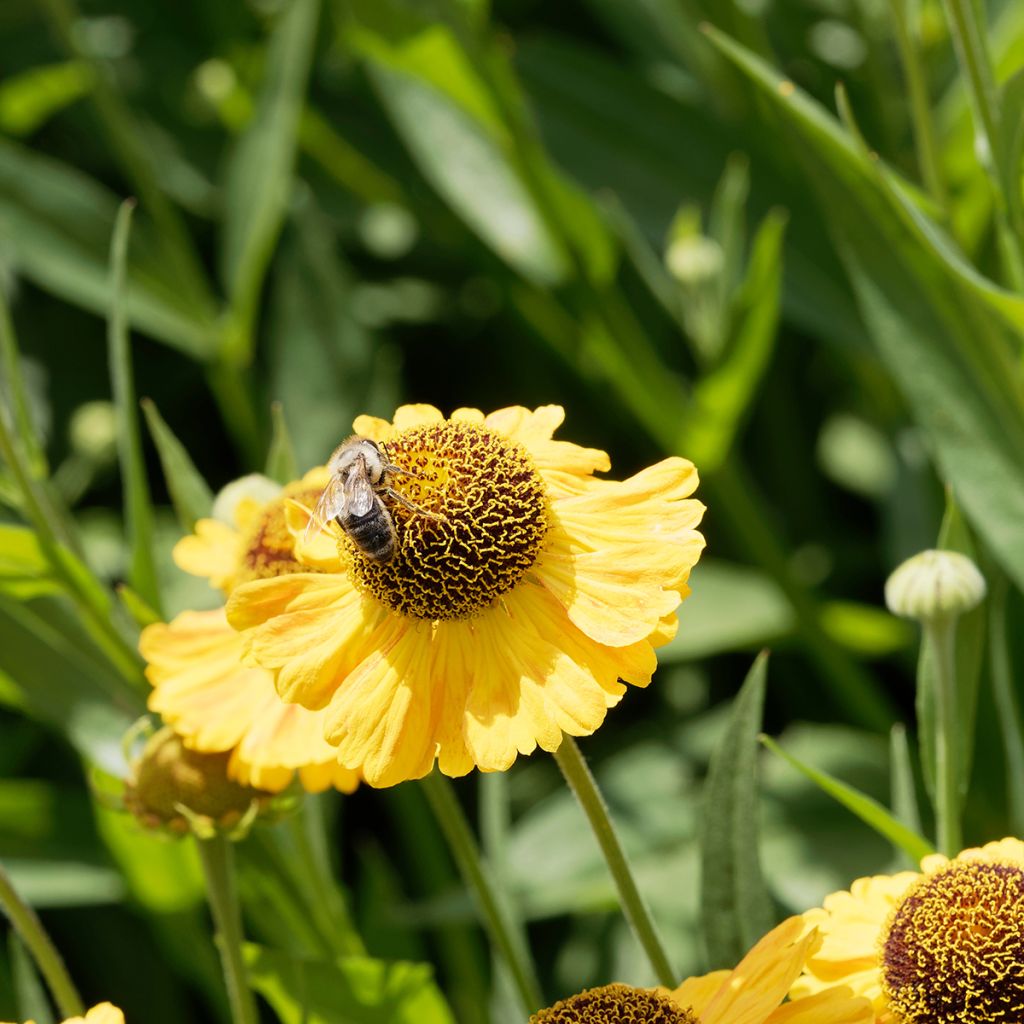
point(213, 551)
point(380, 717)
point(408, 416)
point(373, 427)
point(763, 977)
point(834, 1006)
point(310, 629)
point(320, 550)
point(695, 993)
point(467, 415)
point(534, 429)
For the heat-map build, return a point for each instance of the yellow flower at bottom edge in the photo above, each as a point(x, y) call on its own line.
point(103, 1013)
point(941, 946)
point(200, 685)
point(523, 593)
point(751, 993)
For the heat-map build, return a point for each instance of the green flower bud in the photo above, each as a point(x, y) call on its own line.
point(934, 585)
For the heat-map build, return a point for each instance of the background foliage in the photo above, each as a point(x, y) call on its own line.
point(348, 203)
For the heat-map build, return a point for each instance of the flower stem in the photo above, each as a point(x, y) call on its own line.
point(217, 856)
point(43, 951)
point(503, 934)
point(582, 783)
point(941, 635)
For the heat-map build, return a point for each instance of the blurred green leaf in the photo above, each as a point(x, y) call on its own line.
point(904, 790)
point(724, 396)
point(732, 607)
point(28, 100)
point(356, 990)
point(190, 494)
point(941, 328)
point(281, 463)
point(24, 568)
point(865, 629)
point(440, 104)
point(259, 175)
point(736, 909)
point(62, 684)
point(64, 883)
point(56, 225)
point(869, 810)
point(142, 614)
point(32, 1001)
point(138, 509)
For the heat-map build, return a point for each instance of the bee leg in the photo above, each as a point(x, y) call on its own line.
point(390, 492)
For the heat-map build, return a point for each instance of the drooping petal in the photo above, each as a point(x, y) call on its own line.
point(212, 551)
point(695, 993)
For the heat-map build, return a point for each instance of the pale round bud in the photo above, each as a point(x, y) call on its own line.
point(694, 259)
point(93, 431)
point(933, 585)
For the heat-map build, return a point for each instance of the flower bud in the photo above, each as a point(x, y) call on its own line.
point(176, 788)
point(93, 431)
point(694, 259)
point(933, 585)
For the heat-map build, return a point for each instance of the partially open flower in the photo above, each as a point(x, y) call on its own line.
point(751, 993)
point(943, 946)
point(174, 788)
point(523, 593)
point(200, 685)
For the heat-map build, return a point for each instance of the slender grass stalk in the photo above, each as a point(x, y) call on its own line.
point(581, 782)
point(940, 635)
point(496, 919)
point(217, 857)
point(929, 161)
point(1005, 695)
point(47, 958)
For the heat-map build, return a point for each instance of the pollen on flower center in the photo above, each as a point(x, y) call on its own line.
point(268, 546)
point(487, 520)
point(615, 1004)
point(953, 949)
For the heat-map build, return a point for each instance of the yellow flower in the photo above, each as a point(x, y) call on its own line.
point(104, 1013)
point(513, 611)
point(751, 993)
point(200, 685)
point(941, 946)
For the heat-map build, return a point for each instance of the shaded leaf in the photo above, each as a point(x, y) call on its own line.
point(736, 909)
point(281, 463)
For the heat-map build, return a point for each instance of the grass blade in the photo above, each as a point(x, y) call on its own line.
point(190, 494)
point(869, 810)
point(736, 908)
point(904, 791)
point(138, 510)
point(281, 463)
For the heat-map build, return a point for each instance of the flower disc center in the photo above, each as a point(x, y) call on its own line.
point(953, 950)
point(480, 519)
point(268, 548)
point(615, 1004)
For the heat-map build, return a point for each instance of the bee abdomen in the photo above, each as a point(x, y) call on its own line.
point(374, 534)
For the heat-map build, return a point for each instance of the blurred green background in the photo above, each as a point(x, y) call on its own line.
point(346, 205)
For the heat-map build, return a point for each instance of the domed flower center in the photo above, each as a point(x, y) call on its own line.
point(615, 1004)
point(479, 520)
point(268, 546)
point(953, 950)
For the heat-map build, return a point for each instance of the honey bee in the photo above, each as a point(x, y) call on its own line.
point(360, 477)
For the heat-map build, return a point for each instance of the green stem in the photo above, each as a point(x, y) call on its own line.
point(217, 856)
point(928, 159)
point(582, 783)
point(496, 919)
point(1007, 705)
point(940, 634)
point(43, 951)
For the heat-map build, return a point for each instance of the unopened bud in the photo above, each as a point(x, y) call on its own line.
point(93, 431)
point(694, 259)
point(933, 585)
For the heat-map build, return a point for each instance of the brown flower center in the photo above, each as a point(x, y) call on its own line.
point(487, 518)
point(615, 1004)
point(953, 950)
point(268, 546)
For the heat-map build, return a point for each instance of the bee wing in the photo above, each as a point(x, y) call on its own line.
point(330, 504)
point(358, 493)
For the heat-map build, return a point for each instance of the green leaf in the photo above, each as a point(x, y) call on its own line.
point(869, 810)
point(281, 463)
point(723, 397)
point(736, 908)
point(944, 332)
point(190, 493)
point(28, 986)
point(64, 883)
point(138, 509)
point(904, 790)
point(259, 176)
point(731, 608)
point(29, 99)
point(57, 227)
point(441, 104)
point(356, 990)
point(24, 567)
